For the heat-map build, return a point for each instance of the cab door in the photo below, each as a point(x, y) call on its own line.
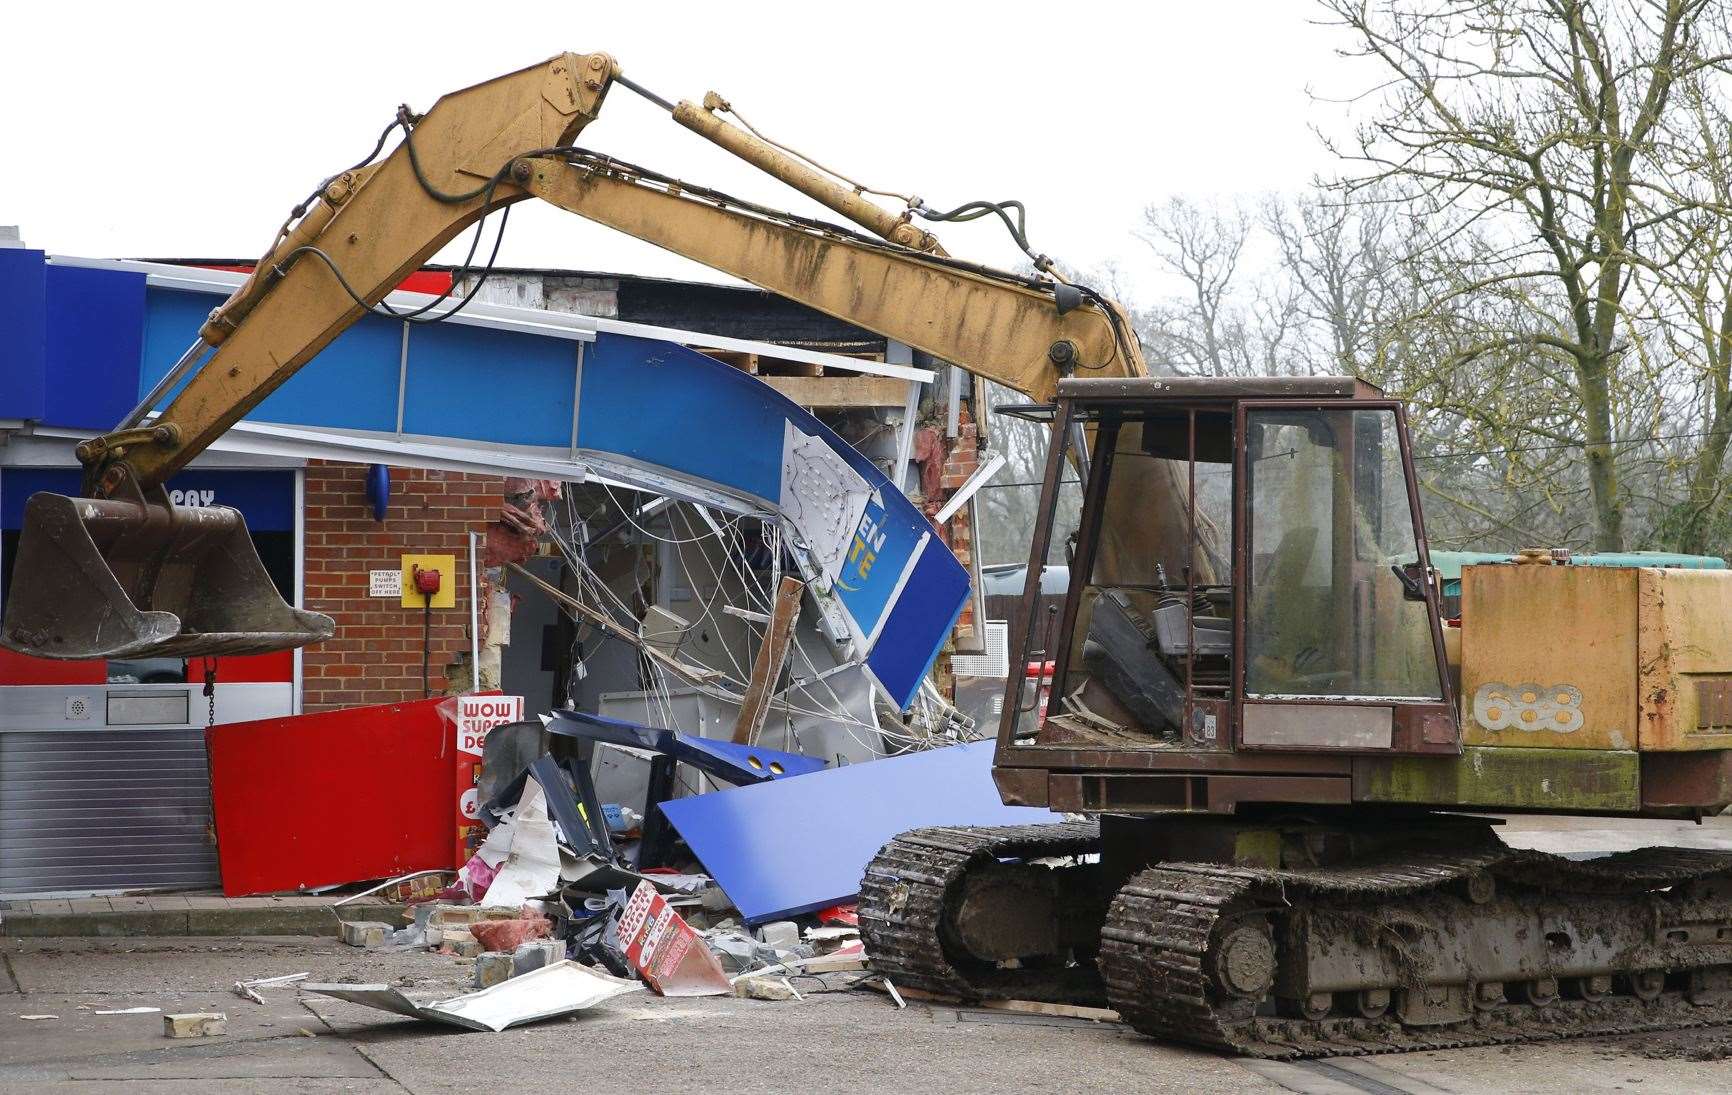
point(1337, 644)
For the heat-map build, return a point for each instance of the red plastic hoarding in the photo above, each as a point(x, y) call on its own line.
point(339, 796)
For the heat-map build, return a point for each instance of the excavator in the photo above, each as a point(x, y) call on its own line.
point(1277, 761)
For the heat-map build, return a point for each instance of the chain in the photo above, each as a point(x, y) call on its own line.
point(210, 689)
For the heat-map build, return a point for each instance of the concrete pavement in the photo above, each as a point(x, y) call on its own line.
point(643, 1043)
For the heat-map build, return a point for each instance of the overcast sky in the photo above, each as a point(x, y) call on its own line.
point(189, 129)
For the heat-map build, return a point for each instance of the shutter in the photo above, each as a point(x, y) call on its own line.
point(104, 810)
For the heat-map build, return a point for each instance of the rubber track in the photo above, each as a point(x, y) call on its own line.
point(1158, 934)
point(907, 896)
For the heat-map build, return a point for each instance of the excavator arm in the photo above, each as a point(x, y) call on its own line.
point(497, 143)
point(476, 151)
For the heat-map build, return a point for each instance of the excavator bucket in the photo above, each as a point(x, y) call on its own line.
point(108, 578)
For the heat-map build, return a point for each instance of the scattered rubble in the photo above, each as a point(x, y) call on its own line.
point(248, 990)
point(365, 933)
point(534, 955)
point(492, 968)
point(563, 988)
point(665, 951)
point(195, 1024)
point(508, 935)
point(555, 886)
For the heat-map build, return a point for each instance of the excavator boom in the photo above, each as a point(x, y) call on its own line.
point(135, 575)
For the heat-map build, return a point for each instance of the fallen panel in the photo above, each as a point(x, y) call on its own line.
point(792, 846)
point(722, 759)
point(547, 993)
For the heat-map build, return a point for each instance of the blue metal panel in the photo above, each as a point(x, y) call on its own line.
point(490, 385)
point(929, 605)
point(172, 318)
point(351, 385)
point(678, 409)
point(890, 532)
point(23, 332)
point(722, 759)
point(796, 845)
point(95, 335)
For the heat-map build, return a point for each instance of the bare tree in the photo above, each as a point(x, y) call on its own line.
point(1223, 323)
point(1341, 264)
point(1537, 126)
point(1691, 302)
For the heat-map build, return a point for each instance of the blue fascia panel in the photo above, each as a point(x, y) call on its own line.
point(95, 339)
point(350, 385)
point(489, 385)
point(172, 318)
point(23, 333)
point(929, 605)
point(675, 408)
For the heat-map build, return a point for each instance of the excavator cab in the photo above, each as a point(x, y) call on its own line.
point(1250, 704)
point(131, 578)
point(1248, 576)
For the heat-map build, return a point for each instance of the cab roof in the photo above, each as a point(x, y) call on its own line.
point(1218, 387)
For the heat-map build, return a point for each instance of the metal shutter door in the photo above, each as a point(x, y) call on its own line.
point(104, 810)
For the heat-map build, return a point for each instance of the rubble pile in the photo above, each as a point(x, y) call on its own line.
point(555, 883)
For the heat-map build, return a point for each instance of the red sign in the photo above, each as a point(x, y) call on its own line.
point(471, 718)
point(664, 949)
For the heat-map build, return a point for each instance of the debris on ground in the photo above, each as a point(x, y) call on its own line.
point(508, 935)
point(531, 865)
point(460, 943)
point(365, 933)
point(781, 934)
point(195, 1024)
point(765, 988)
point(558, 882)
point(739, 952)
point(536, 954)
point(248, 990)
point(564, 988)
point(492, 968)
point(665, 951)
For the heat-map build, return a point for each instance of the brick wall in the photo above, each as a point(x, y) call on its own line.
point(961, 458)
point(375, 656)
point(962, 461)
